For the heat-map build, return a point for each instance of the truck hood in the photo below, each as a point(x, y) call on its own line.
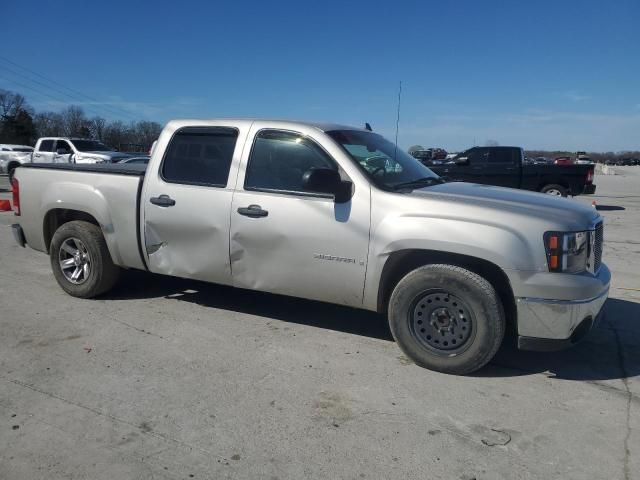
point(563, 213)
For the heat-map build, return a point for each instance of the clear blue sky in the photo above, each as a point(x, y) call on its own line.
point(543, 74)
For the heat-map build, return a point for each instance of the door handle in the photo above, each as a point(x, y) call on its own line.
point(253, 211)
point(163, 201)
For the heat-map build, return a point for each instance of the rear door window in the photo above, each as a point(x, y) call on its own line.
point(46, 146)
point(200, 156)
point(501, 155)
point(64, 145)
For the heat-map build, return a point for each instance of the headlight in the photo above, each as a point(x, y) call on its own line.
point(567, 252)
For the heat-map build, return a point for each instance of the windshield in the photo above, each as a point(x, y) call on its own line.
point(91, 146)
point(387, 166)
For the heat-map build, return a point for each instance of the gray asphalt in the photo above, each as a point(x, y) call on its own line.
point(168, 378)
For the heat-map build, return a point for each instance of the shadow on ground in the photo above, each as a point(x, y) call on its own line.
point(610, 351)
point(609, 208)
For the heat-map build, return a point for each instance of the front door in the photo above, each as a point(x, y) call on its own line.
point(290, 241)
point(187, 202)
point(62, 152)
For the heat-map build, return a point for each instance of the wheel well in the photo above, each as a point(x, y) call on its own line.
point(554, 181)
point(12, 165)
point(59, 216)
point(402, 262)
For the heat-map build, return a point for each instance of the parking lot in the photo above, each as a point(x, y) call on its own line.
point(170, 378)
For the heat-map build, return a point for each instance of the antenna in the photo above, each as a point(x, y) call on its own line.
point(395, 153)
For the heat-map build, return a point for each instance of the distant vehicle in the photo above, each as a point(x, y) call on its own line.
point(505, 167)
point(421, 155)
point(139, 160)
point(629, 162)
point(564, 161)
point(74, 150)
point(12, 156)
point(330, 213)
point(583, 160)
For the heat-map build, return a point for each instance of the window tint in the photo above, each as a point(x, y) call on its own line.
point(501, 155)
point(62, 144)
point(279, 160)
point(46, 146)
point(200, 156)
point(477, 156)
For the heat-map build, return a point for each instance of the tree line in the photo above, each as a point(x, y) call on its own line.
point(21, 124)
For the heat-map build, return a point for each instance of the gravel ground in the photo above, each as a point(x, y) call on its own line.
point(168, 378)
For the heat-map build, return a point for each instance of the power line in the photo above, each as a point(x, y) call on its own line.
point(48, 95)
point(113, 109)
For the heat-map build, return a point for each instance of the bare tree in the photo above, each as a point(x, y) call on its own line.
point(96, 127)
point(75, 122)
point(11, 104)
point(491, 143)
point(414, 148)
point(49, 124)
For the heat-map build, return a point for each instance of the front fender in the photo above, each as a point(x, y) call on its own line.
point(501, 245)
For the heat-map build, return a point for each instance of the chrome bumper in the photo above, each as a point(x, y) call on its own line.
point(556, 324)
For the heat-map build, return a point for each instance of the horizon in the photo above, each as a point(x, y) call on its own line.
point(475, 73)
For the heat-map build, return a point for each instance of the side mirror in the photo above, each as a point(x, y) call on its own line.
point(461, 161)
point(62, 151)
point(327, 180)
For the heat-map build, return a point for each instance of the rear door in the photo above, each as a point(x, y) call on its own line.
point(44, 153)
point(186, 202)
point(502, 167)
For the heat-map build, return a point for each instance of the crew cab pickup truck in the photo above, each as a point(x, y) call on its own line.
point(506, 167)
point(329, 213)
point(74, 150)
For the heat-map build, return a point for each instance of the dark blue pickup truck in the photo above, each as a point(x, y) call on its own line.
point(506, 167)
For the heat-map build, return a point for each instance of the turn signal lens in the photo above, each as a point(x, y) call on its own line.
point(567, 252)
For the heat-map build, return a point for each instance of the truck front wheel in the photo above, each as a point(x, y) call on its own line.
point(446, 318)
point(81, 261)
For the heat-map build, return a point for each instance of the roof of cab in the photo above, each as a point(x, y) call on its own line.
point(322, 126)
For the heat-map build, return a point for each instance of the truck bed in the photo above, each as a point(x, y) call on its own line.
point(109, 193)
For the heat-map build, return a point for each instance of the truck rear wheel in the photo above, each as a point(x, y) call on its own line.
point(447, 318)
point(81, 261)
point(553, 189)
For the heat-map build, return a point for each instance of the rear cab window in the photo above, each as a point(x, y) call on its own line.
point(46, 146)
point(200, 156)
point(502, 155)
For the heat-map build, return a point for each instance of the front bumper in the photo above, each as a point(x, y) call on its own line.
point(549, 324)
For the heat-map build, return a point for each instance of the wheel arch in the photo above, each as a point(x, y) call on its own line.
point(401, 262)
point(56, 217)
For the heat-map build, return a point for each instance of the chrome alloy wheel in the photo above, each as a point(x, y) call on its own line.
point(75, 261)
point(554, 191)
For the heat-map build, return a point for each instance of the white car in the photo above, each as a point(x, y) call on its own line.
point(12, 156)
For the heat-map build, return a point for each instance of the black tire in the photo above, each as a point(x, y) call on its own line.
point(457, 290)
point(102, 273)
point(554, 189)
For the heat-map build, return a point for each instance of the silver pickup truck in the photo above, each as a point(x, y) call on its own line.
point(330, 213)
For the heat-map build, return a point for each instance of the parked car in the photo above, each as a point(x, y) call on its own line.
point(138, 160)
point(505, 166)
point(330, 213)
point(12, 156)
point(74, 150)
point(564, 161)
point(583, 160)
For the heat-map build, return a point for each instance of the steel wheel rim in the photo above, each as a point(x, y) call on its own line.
point(74, 260)
point(442, 322)
point(555, 192)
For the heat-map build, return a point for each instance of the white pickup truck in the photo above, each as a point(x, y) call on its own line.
point(74, 150)
point(330, 213)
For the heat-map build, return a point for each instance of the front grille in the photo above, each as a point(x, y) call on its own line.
point(597, 246)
